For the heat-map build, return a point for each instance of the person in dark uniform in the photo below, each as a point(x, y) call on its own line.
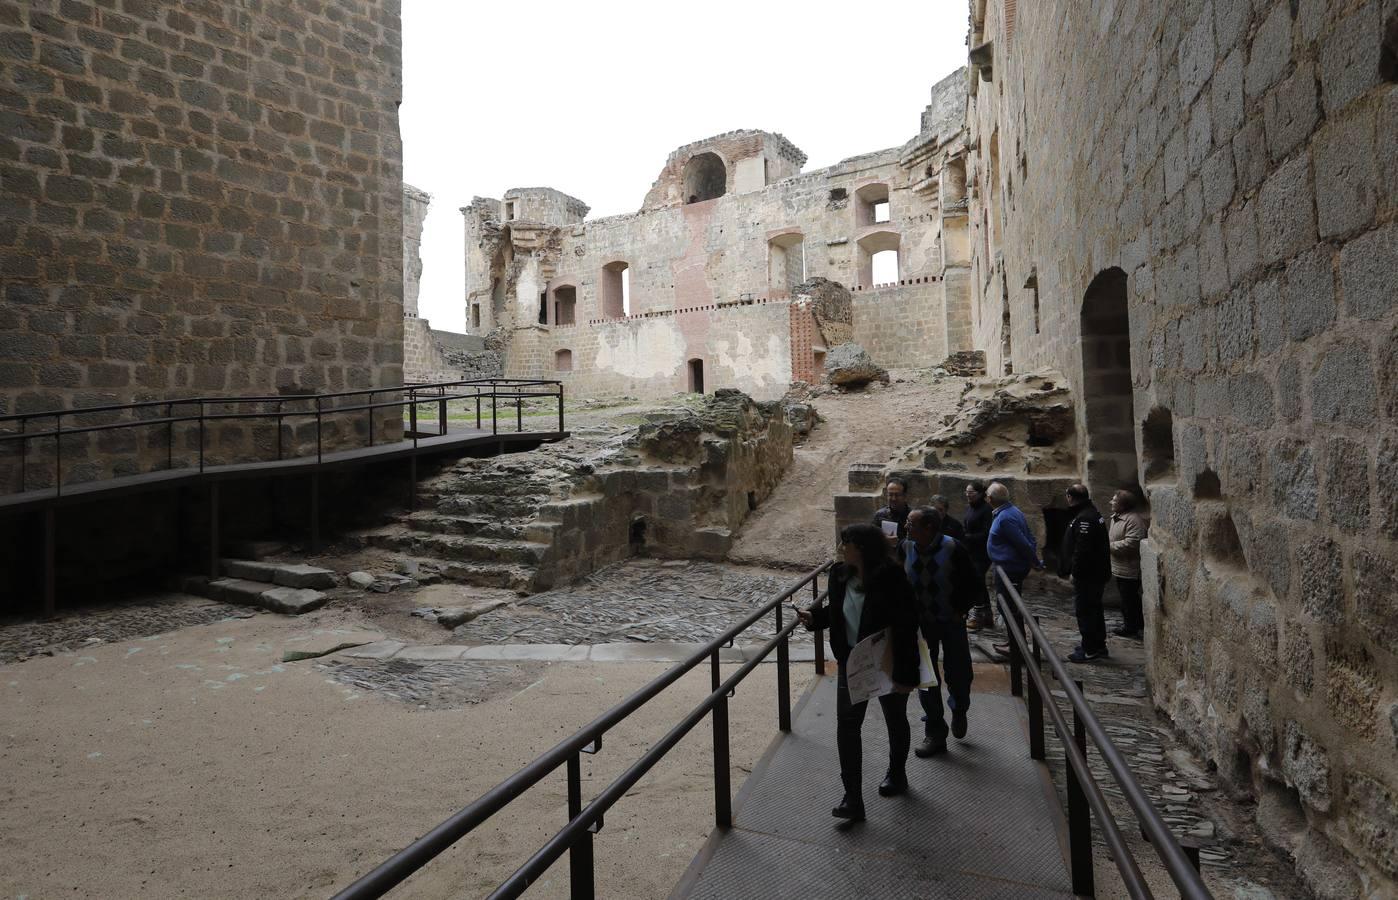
point(869, 593)
point(1086, 559)
point(975, 526)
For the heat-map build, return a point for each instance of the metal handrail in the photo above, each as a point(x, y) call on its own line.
point(317, 405)
point(1086, 724)
point(576, 835)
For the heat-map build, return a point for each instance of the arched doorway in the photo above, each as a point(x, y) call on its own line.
point(565, 304)
point(616, 284)
point(696, 376)
point(1111, 461)
point(705, 178)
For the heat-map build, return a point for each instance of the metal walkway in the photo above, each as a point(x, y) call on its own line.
point(979, 821)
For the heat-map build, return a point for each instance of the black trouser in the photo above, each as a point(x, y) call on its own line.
point(849, 720)
point(1087, 604)
point(954, 672)
point(985, 612)
point(1130, 590)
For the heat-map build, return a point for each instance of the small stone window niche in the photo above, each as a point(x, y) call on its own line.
point(1158, 446)
point(616, 290)
point(873, 207)
point(509, 210)
point(565, 304)
point(563, 361)
point(705, 178)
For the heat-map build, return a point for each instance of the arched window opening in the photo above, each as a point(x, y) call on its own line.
point(954, 183)
point(565, 302)
point(878, 258)
point(705, 178)
point(616, 290)
point(1158, 445)
point(696, 376)
point(786, 263)
point(543, 307)
point(563, 361)
point(872, 207)
point(475, 315)
point(1106, 383)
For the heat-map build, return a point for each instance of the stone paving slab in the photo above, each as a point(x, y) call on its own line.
point(376, 650)
point(431, 652)
point(976, 822)
point(535, 652)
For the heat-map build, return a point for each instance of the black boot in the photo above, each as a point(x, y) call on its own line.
point(893, 784)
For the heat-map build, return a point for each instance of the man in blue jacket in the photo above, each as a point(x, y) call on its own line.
point(1011, 546)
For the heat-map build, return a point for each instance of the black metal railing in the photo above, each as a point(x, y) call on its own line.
point(575, 837)
point(1085, 797)
point(209, 412)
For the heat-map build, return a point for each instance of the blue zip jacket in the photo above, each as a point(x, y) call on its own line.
point(1011, 545)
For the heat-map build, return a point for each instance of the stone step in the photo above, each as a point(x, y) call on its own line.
point(475, 526)
point(454, 547)
point(496, 506)
point(288, 600)
point(294, 575)
point(499, 575)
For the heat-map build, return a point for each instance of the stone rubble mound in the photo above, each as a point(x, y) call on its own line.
point(1019, 423)
point(849, 366)
point(965, 364)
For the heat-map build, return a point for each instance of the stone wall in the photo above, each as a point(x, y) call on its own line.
point(1198, 229)
point(415, 203)
point(198, 199)
point(430, 355)
point(678, 489)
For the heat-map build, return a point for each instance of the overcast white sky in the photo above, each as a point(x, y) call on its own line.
point(590, 97)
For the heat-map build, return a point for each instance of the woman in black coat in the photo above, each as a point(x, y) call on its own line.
point(869, 593)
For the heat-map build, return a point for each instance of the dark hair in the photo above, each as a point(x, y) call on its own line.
point(938, 500)
point(1078, 492)
point(894, 479)
point(977, 486)
point(1127, 499)
point(873, 548)
point(931, 514)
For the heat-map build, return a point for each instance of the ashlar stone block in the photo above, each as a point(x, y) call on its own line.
point(1346, 173)
point(1270, 51)
point(1308, 292)
point(1342, 387)
point(1286, 211)
point(1349, 58)
point(1367, 273)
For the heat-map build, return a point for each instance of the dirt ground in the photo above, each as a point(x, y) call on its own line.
point(197, 764)
point(795, 526)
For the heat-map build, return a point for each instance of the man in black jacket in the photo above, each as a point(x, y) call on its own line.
point(946, 584)
point(1087, 560)
point(896, 511)
point(976, 527)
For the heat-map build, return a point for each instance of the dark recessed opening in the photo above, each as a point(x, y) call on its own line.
point(637, 534)
point(838, 195)
point(1158, 444)
point(1055, 523)
point(752, 500)
point(1388, 50)
point(1222, 548)
point(1206, 486)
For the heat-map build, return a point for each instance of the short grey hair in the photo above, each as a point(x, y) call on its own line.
point(997, 491)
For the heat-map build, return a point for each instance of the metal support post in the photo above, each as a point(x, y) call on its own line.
point(723, 796)
point(213, 530)
point(50, 556)
point(442, 415)
point(1079, 818)
point(580, 870)
point(1036, 710)
point(1016, 658)
point(315, 511)
point(783, 678)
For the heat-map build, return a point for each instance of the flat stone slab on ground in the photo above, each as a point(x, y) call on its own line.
point(431, 652)
point(537, 652)
point(300, 575)
point(292, 601)
point(326, 641)
point(376, 650)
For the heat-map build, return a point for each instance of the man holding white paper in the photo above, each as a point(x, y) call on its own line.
point(947, 584)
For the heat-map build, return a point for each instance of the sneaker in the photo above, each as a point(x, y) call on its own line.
point(1081, 656)
point(1002, 651)
point(1129, 634)
point(853, 812)
point(958, 723)
point(973, 621)
point(929, 748)
point(893, 784)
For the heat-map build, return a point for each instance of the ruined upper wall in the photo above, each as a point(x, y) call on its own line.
point(751, 160)
point(545, 205)
point(199, 198)
point(415, 203)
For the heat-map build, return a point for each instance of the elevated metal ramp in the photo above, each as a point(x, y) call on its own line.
point(977, 822)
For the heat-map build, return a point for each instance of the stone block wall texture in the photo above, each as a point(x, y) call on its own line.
point(197, 198)
point(415, 204)
point(1237, 162)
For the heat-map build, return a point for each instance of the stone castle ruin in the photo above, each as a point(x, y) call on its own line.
point(1169, 226)
point(708, 285)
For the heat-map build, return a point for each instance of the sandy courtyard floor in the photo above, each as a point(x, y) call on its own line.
point(197, 764)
